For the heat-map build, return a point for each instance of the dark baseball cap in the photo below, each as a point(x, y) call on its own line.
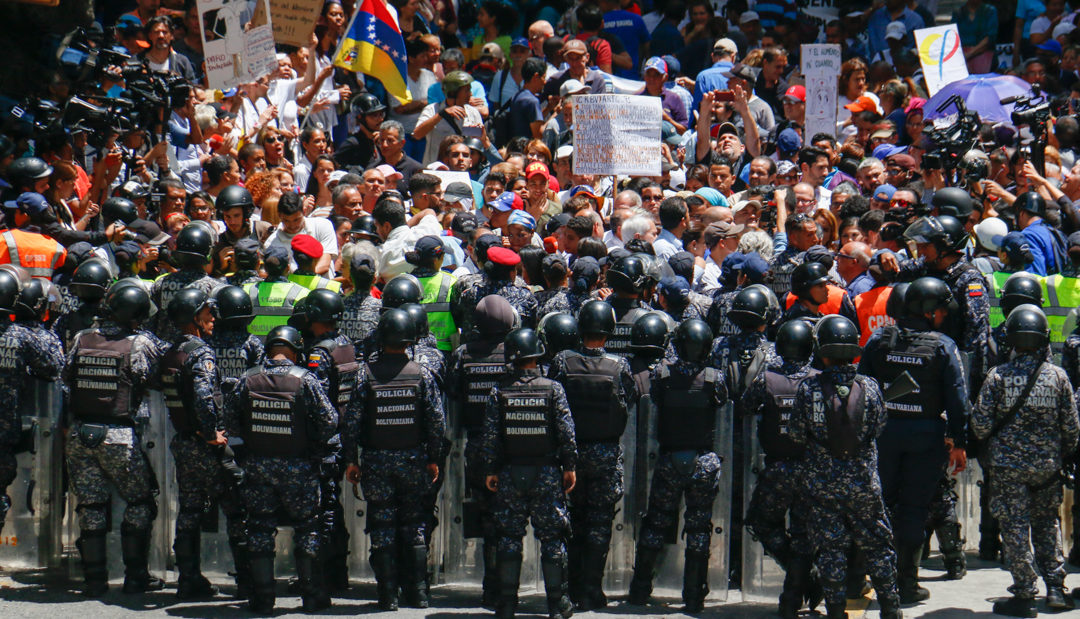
point(427, 248)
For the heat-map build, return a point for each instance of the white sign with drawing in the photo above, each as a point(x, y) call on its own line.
point(821, 69)
point(617, 134)
point(237, 50)
point(941, 55)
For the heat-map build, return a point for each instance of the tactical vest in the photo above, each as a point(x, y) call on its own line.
point(599, 414)
point(272, 303)
point(528, 421)
point(870, 310)
point(391, 408)
point(619, 341)
point(774, 431)
point(102, 388)
point(274, 419)
point(343, 373)
point(232, 361)
point(484, 368)
point(917, 353)
point(954, 322)
point(178, 399)
point(782, 270)
point(11, 362)
point(687, 415)
point(436, 302)
point(843, 419)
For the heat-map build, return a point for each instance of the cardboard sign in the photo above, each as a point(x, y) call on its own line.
point(293, 20)
point(820, 66)
point(617, 134)
point(236, 51)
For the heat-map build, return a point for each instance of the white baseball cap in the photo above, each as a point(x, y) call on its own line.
point(989, 229)
point(749, 16)
point(895, 30)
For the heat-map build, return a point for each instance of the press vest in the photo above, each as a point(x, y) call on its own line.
point(178, 398)
point(686, 415)
point(314, 282)
point(484, 367)
point(391, 411)
point(591, 390)
point(528, 421)
point(774, 432)
point(37, 253)
point(343, 373)
point(272, 303)
point(275, 417)
point(102, 389)
point(870, 310)
point(918, 353)
point(436, 302)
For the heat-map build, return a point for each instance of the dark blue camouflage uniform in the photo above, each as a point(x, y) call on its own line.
point(360, 318)
point(163, 290)
point(1025, 457)
point(236, 352)
point(717, 316)
point(242, 278)
point(559, 300)
point(846, 504)
point(465, 297)
point(82, 316)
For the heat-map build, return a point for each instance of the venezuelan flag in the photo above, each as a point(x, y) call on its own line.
point(373, 45)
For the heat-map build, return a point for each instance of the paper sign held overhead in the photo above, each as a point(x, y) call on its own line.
point(941, 55)
point(238, 48)
point(617, 134)
point(820, 65)
point(293, 20)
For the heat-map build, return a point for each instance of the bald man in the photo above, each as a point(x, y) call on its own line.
point(852, 263)
point(714, 214)
point(539, 31)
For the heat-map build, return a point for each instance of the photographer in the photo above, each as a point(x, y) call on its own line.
point(161, 56)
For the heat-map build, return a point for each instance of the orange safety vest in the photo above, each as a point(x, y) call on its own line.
point(38, 254)
point(870, 310)
point(831, 304)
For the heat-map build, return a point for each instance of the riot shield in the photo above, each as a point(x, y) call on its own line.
point(463, 562)
point(967, 503)
point(620, 565)
point(762, 577)
point(156, 432)
point(359, 547)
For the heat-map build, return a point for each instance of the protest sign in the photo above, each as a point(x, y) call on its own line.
point(238, 49)
point(617, 134)
point(941, 55)
point(820, 66)
point(293, 20)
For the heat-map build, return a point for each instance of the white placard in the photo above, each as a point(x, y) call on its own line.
point(941, 55)
point(236, 52)
point(617, 134)
point(820, 66)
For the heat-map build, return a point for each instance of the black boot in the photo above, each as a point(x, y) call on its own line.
point(509, 567)
point(890, 608)
point(191, 584)
point(592, 576)
point(312, 586)
point(91, 546)
point(644, 571)
point(796, 584)
point(952, 550)
point(1016, 607)
point(414, 589)
point(240, 565)
point(1057, 599)
point(558, 600)
point(575, 570)
point(491, 577)
point(836, 611)
point(857, 586)
point(261, 568)
point(989, 538)
point(695, 581)
point(907, 574)
point(384, 564)
point(134, 546)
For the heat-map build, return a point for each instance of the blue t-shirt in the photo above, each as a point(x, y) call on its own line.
point(1028, 10)
point(666, 39)
point(435, 92)
point(524, 110)
point(631, 30)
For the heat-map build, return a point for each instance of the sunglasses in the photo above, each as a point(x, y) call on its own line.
point(271, 139)
point(900, 203)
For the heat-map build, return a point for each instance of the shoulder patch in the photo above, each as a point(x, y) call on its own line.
point(975, 290)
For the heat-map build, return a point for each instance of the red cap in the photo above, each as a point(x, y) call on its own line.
point(796, 92)
point(536, 167)
point(307, 245)
point(505, 257)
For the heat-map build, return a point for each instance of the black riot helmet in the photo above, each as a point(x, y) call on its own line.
point(32, 300)
point(24, 172)
point(1027, 328)
point(795, 341)
point(1020, 288)
point(953, 201)
point(235, 196)
point(926, 295)
point(693, 340)
point(127, 302)
point(9, 292)
point(401, 290)
point(627, 275)
point(90, 280)
point(324, 305)
point(749, 308)
point(119, 209)
point(419, 317)
point(1031, 202)
point(185, 305)
point(395, 328)
point(364, 226)
point(299, 319)
point(806, 276)
point(596, 318)
point(559, 332)
point(944, 232)
point(522, 345)
point(366, 103)
point(284, 335)
point(234, 306)
point(894, 305)
point(837, 338)
point(649, 335)
point(193, 245)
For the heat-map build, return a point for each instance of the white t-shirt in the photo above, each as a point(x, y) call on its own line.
point(418, 89)
point(472, 126)
point(1040, 25)
point(318, 227)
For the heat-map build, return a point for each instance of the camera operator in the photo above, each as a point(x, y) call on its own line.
point(161, 57)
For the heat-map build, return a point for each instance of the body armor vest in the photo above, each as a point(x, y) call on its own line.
point(843, 418)
point(599, 414)
point(275, 417)
point(687, 415)
point(915, 352)
point(102, 385)
point(178, 400)
point(391, 415)
point(484, 368)
point(528, 421)
point(774, 431)
point(344, 370)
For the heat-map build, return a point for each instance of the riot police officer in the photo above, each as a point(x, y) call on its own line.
point(425, 351)
point(361, 314)
point(1019, 288)
point(283, 416)
point(399, 291)
point(687, 393)
point(189, 379)
point(529, 456)
point(558, 332)
point(627, 280)
point(332, 358)
point(809, 287)
point(648, 343)
point(400, 433)
point(917, 442)
point(235, 350)
point(475, 368)
point(192, 253)
point(89, 284)
point(598, 387)
point(779, 488)
point(838, 416)
point(1026, 413)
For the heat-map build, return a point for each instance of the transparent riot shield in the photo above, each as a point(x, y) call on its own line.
point(762, 577)
point(968, 485)
point(355, 518)
point(620, 564)
point(463, 562)
point(156, 432)
point(20, 538)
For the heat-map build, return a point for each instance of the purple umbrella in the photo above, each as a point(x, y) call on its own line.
point(981, 93)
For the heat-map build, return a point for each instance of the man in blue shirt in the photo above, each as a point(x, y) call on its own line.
point(723, 57)
point(526, 115)
point(1047, 244)
point(894, 10)
point(630, 29)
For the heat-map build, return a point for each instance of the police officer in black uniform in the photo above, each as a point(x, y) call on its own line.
point(236, 350)
point(627, 279)
point(648, 343)
point(89, 284)
point(192, 253)
point(927, 428)
point(558, 331)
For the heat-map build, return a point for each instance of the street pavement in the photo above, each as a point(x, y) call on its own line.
point(28, 594)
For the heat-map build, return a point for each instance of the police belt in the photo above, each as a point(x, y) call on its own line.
point(106, 420)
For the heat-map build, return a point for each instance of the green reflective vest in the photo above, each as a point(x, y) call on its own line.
point(1062, 300)
point(436, 301)
point(997, 281)
point(272, 303)
point(314, 282)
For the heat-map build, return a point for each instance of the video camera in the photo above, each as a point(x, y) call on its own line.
point(950, 141)
point(1034, 111)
